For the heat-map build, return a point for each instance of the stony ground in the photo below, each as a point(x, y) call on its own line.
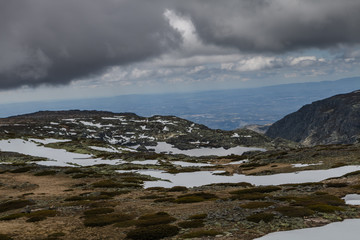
point(38, 202)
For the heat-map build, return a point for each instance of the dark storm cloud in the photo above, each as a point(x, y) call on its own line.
point(275, 25)
point(55, 42)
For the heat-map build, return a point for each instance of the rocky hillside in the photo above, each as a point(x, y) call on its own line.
point(332, 120)
point(128, 129)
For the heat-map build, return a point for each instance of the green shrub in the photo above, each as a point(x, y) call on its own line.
point(106, 184)
point(40, 215)
point(198, 216)
point(43, 213)
point(253, 165)
point(240, 184)
point(325, 208)
point(81, 175)
point(201, 233)
point(107, 219)
point(357, 186)
point(183, 170)
point(115, 193)
point(151, 196)
point(339, 164)
point(295, 211)
point(266, 217)
point(153, 232)
point(162, 189)
point(191, 224)
point(87, 198)
point(253, 205)
point(22, 170)
point(102, 204)
point(132, 180)
point(74, 198)
point(189, 199)
point(73, 170)
point(55, 236)
point(169, 199)
point(45, 173)
point(352, 174)
point(125, 224)
point(262, 189)
point(14, 204)
point(97, 211)
point(202, 195)
point(154, 219)
point(307, 184)
point(250, 196)
point(319, 199)
point(195, 197)
point(337, 185)
point(35, 219)
point(178, 189)
point(12, 216)
point(5, 237)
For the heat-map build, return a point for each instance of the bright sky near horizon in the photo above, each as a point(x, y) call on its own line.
point(88, 48)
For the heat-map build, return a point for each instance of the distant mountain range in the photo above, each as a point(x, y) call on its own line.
point(329, 121)
point(221, 109)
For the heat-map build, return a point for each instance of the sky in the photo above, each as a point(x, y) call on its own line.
point(68, 49)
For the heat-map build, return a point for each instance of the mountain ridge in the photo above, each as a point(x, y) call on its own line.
point(129, 129)
point(333, 120)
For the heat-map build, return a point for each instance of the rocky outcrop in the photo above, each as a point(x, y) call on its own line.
point(330, 121)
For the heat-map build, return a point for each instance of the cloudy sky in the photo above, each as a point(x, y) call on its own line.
point(90, 48)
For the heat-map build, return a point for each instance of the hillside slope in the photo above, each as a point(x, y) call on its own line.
point(332, 120)
point(128, 129)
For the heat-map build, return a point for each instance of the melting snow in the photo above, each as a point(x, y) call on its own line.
point(57, 157)
point(194, 179)
point(165, 147)
point(69, 120)
point(299, 165)
point(352, 199)
point(48, 140)
point(98, 125)
point(190, 164)
point(346, 230)
point(237, 162)
point(104, 149)
point(144, 162)
point(143, 136)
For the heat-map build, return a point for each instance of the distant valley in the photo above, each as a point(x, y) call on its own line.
point(220, 109)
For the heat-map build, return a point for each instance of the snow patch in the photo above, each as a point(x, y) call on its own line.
point(345, 230)
point(352, 199)
point(299, 165)
point(165, 147)
point(200, 178)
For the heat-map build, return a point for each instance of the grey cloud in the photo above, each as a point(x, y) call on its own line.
point(54, 42)
point(275, 25)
